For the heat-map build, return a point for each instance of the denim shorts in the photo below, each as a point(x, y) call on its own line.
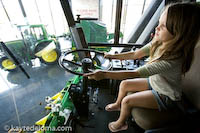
point(163, 101)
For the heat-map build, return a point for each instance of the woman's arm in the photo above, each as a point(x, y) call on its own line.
point(127, 55)
point(118, 75)
point(144, 51)
point(143, 71)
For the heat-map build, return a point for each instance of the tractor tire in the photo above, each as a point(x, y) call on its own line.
point(51, 57)
point(7, 64)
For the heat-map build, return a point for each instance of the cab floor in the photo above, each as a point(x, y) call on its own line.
point(99, 118)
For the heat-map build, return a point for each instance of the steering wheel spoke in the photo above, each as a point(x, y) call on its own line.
point(74, 63)
point(71, 61)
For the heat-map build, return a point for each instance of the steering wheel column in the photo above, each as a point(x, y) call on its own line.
point(73, 63)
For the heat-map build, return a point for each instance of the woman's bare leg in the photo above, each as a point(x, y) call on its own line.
point(144, 99)
point(129, 85)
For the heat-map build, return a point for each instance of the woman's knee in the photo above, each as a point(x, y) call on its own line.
point(134, 85)
point(125, 83)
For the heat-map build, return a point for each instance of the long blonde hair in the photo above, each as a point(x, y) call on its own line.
point(183, 22)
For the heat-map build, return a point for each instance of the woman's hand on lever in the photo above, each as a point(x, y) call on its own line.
point(109, 56)
point(113, 56)
point(96, 75)
point(117, 75)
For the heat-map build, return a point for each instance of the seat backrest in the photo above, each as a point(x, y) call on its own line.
point(191, 81)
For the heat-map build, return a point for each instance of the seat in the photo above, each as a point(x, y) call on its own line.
point(151, 119)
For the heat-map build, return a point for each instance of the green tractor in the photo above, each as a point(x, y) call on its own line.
point(35, 43)
point(95, 32)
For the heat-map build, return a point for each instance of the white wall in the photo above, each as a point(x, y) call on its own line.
point(50, 13)
point(131, 13)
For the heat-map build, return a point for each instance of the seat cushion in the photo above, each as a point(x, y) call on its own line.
point(151, 118)
point(191, 80)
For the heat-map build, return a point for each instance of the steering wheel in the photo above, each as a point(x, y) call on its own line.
point(72, 61)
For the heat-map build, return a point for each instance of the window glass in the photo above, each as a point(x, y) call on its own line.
point(23, 98)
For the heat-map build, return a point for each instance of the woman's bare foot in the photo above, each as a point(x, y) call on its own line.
point(115, 127)
point(112, 107)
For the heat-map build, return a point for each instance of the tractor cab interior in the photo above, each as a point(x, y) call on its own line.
point(79, 106)
point(149, 120)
